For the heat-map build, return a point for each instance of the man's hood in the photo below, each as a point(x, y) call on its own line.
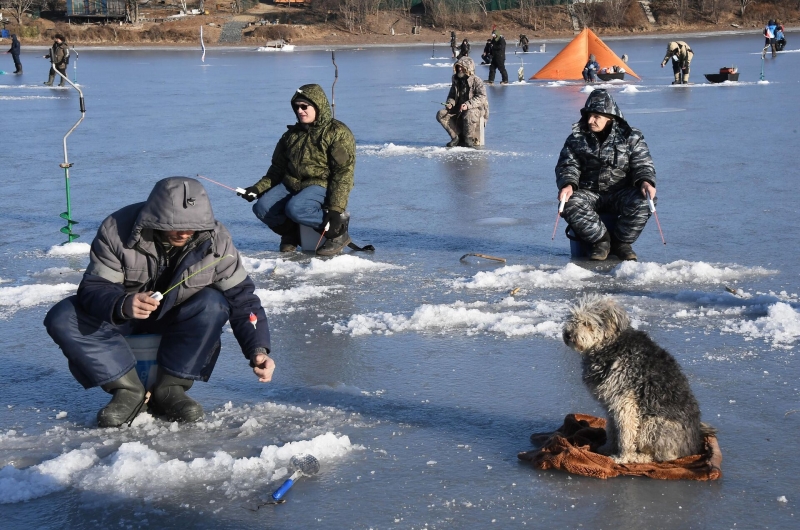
point(176, 203)
point(601, 102)
point(316, 95)
point(467, 64)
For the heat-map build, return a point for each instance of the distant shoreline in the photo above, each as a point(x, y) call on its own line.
point(443, 44)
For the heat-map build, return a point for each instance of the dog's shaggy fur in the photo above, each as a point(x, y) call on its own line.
point(652, 413)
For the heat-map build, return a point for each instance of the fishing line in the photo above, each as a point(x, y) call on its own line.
point(157, 296)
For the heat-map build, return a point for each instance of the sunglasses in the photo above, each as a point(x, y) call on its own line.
point(301, 106)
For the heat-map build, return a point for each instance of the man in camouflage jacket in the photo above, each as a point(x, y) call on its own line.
point(466, 104)
point(605, 167)
point(310, 178)
point(59, 57)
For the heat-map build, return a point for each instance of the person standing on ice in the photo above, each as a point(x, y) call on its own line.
point(605, 166)
point(681, 55)
point(150, 246)
point(15, 51)
point(466, 104)
point(310, 178)
point(498, 61)
point(59, 57)
point(453, 44)
point(769, 38)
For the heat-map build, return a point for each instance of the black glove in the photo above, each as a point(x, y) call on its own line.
point(246, 195)
point(335, 220)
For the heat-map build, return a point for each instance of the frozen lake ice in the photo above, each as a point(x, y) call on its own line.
point(413, 377)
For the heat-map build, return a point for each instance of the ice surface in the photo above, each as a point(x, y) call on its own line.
point(684, 272)
point(570, 276)
point(287, 300)
point(425, 88)
point(781, 326)
point(392, 150)
point(12, 299)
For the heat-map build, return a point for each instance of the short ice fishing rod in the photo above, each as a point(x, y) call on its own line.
point(157, 296)
point(653, 211)
point(561, 204)
point(241, 191)
point(333, 86)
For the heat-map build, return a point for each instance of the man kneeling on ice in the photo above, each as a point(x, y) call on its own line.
point(170, 244)
point(466, 105)
point(605, 167)
point(310, 178)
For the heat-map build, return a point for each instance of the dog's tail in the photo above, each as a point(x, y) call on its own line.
point(707, 429)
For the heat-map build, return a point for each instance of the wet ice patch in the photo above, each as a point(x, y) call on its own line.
point(12, 299)
point(569, 277)
point(25, 98)
point(337, 266)
point(684, 272)
point(425, 88)
point(287, 300)
point(438, 65)
point(70, 249)
point(781, 326)
point(542, 318)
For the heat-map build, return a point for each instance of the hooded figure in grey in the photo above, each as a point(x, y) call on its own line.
point(605, 167)
point(465, 106)
point(171, 244)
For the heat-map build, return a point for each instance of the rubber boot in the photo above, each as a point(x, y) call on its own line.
point(453, 142)
point(677, 79)
point(601, 248)
point(335, 245)
point(290, 235)
point(169, 399)
point(686, 79)
point(468, 142)
point(622, 250)
point(128, 399)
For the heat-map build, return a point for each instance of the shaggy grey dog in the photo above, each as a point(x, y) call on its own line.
point(652, 413)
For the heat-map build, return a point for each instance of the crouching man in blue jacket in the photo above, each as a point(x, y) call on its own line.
point(172, 239)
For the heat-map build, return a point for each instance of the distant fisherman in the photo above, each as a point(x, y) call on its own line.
point(605, 166)
point(590, 70)
point(523, 41)
point(453, 44)
point(498, 61)
point(15, 51)
point(464, 49)
point(311, 176)
point(172, 244)
point(769, 38)
point(681, 55)
point(466, 104)
point(59, 57)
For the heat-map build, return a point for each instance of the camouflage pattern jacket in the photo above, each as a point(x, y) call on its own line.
point(622, 160)
point(322, 154)
point(469, 89)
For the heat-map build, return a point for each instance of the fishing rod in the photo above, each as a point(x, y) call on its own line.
point(333, 86)
point(67, 216)
point(240, 191)
point(75, 64)
point(561, 204)
point(653, 211)
point(157, 296)
point(433, 50)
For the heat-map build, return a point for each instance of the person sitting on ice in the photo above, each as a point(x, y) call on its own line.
point(310, 178)
point(523, 41)
point(590, 70)
point(681, 55)
point(171, 244)
point(780, 38)
point(466, 104)
point(464, 49)
point(605, 167)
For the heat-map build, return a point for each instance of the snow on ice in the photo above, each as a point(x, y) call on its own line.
point(70, 249)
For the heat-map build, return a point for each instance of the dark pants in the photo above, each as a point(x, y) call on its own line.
point(98, 353)
point(582, 213)
point(589, 75)
point(52, 76)
point(17, 63)
point(681, 73)
point(498, 65)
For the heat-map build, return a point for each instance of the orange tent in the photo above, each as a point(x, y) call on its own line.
point(569, 62)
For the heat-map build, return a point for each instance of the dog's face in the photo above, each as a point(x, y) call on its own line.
point(594, 321)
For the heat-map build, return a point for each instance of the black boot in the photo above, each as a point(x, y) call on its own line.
point(601, 248)
point(468, 142)
point(623, 251)
point(290, 235)
point(169, 399)
point(128, 399)
point(453, 142)
point(336, 244)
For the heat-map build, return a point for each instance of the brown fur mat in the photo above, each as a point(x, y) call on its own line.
point(571, 449)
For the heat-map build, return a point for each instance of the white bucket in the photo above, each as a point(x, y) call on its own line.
point(145, 349)
point(309, 239)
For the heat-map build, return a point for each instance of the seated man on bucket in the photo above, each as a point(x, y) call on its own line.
point(171, 244)
point(310, 178)
point(605, 166)
point(590, 70)
point(466, 104)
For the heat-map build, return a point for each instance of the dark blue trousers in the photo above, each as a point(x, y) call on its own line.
point(98, 353)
